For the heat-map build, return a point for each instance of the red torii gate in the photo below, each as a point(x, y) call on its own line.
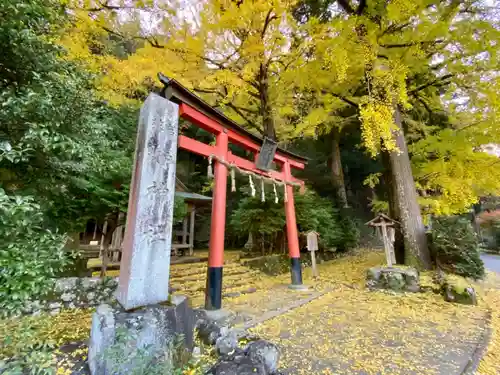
point(198, 112)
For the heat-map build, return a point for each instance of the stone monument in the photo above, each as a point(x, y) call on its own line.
point(149, 331)
point(145, 265)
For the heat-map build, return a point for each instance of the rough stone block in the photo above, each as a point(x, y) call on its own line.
point(258, 358)
point(226, 344)
point(393, 278)
point(124, 342)
point(264, 352)
point(457, 290)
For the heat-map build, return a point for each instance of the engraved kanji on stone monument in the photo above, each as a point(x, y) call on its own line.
point(145, 265)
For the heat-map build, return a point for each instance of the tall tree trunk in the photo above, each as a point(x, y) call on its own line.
point(265, 104)
point(399, 244)
point(405, 201)
point(337, 172)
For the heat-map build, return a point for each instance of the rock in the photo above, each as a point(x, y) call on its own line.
point(154, 329)
point(232, 294)
point(413, 288)
point(90, 283)
point(264, 352)
point(65, 284)
point(111, 283)
point(67, 297)
point(196, 352)
point(101, 338)
point(373, 273)
point(241, 365)
point(411, 276)
point(28, 307)
point(209, 332)
point(455, 289)
point(37, 313)
point(241, 333)
point(55, 312)
point(226, 344)
point(55, 305)
point(90, 296)
point(393, 278)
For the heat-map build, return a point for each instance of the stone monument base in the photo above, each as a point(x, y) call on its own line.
point(143, 340)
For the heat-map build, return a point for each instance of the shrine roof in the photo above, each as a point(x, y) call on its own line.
point(192, 196)
point(178, 93)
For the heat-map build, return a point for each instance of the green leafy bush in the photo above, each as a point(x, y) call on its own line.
point(455, 246)
point(30, 256)
point(180, 210)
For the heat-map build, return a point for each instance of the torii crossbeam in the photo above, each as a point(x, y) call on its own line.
point(195, 110)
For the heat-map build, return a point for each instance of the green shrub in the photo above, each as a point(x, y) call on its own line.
point(455, 246)
point(30, 256)
point(312, 213)
point(180, 210)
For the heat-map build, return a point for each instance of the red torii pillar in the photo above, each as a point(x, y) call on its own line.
point(213, 293)
point(291, 231)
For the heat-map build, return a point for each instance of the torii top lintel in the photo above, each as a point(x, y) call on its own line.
point(197, 111)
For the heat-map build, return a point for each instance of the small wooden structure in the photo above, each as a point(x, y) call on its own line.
point(180, 239)
point(192, 200)
point(387, 231)
point(312, 246)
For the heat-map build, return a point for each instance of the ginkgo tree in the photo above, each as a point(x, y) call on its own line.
point(240, 56)
point(433, 55)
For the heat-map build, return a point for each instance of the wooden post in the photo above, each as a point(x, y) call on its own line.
point(391, 234)
point(386, 245)
point(145, 264)
point(104, 250)
point(184, 230)
point(191, 230)
point(312, 246)
point(383, 221)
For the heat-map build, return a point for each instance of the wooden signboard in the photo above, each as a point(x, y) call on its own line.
point(266, 154)
point(312, 246)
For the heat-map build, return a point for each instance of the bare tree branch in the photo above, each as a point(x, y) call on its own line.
point(440, 81)
point(344, 99)
point(269, 18)
point(249, 123)
point(411, 44)
point(394, 28)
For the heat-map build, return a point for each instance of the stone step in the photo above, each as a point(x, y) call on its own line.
point(227, 280)
point(195, 275)
point(202, 266)
point(201, 287)
point(198, 275)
